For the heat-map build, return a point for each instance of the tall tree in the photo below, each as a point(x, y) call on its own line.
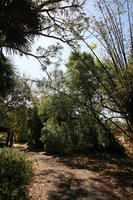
point(14, 108)
point(35, 125)
point(21, 21)
point(7, 71)
point(73, 110)
point(111, 28)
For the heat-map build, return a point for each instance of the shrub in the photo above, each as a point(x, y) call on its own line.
point(15, 174)
point(109, 143)
point(35, 125)
point(56, 139)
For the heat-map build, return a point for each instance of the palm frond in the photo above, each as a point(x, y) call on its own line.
point(7, 72)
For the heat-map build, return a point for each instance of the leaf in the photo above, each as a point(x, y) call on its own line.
point(93, 46)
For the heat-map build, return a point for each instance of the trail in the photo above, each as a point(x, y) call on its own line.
point(98, 177)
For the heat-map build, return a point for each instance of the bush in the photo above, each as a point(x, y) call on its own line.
point(15, 174)
point(109, 143)
point(35, 125)
point(56, 139)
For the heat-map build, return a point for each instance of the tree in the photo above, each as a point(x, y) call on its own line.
point(7, 71)
point(35, 124)
point(112, 31)
point(14, 109)
point(21, 22)
point(30, 18)
point(86, 89)
point(71, 116)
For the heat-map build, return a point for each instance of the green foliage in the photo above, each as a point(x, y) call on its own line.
point(15, 174)
point(79, 135)
point(56, 139)
point(108, 142)
point(81, 82)
point(35, 125)
point(14, 108)
point(124, 84)
point(80, 70)
point(7, 73)
point(19, 23)
point(73, 118)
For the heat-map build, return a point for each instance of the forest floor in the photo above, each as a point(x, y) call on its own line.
point(92, 177)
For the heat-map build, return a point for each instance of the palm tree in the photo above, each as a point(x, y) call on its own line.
point(7, 72)
point(19, 23)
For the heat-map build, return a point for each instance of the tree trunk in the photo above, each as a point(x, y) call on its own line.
point(8, 138)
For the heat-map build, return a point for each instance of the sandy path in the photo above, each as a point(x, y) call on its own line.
point(104, 178)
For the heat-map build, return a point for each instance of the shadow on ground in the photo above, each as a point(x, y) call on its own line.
point(68, 188)
point(97, 177)
point(73, 189)
point(121, 169)
point(113, 172)
point(92, 177)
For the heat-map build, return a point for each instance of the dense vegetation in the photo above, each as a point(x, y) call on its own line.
point(15, 174)
point(84, 107)
point(80, 109)
point(72, 124)
point(63, 118)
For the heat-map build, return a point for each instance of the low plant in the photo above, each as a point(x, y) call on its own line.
point(15, 174)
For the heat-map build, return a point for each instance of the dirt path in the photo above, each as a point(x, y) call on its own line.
point(81, 178)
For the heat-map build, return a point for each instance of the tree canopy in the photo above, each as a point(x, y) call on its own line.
point(21, 22)
point(6, 76)
point(101, 81)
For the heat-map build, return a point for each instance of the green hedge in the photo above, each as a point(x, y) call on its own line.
point(56, 139)
point(15, 174)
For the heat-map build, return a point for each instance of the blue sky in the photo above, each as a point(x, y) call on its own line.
point(29, 65)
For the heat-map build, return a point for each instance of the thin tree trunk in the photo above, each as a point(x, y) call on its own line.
point(8, 138)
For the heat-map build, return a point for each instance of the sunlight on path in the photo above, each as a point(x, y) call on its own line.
point(58, 178)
